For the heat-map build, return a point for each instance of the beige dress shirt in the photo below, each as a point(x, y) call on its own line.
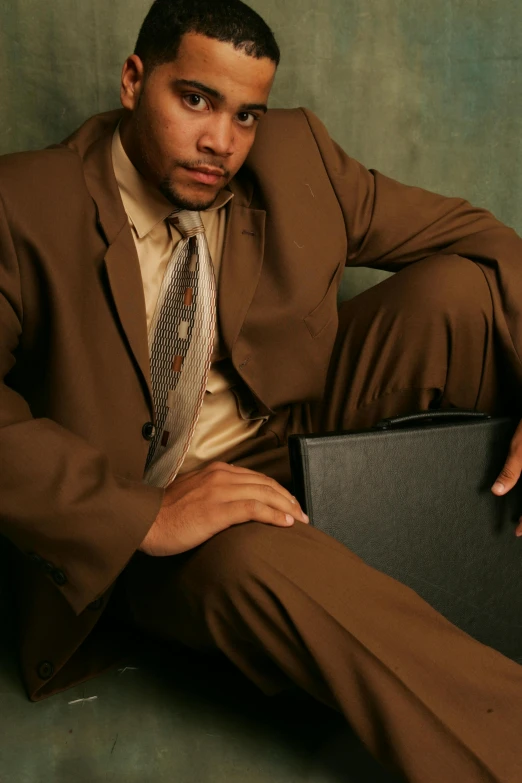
point(222, 423)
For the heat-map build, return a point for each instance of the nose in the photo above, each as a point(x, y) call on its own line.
point(218, 138)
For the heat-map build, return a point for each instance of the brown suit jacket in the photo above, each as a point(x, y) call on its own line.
point(74, 364)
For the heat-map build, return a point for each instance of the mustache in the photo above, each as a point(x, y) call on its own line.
point(195, 164)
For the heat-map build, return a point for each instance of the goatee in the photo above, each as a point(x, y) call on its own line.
point(181, 202)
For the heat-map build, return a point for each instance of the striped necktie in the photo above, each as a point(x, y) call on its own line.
point(181, 341)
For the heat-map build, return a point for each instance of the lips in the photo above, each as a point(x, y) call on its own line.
point(206, 175)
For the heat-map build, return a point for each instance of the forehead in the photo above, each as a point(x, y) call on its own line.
point(239, 77)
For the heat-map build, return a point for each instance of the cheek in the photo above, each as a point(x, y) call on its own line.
point(242, 148)
point(177, 133)
point(179, 146)
point(161, 129)
point(169, 143)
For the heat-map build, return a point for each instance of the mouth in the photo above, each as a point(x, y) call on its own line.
point(205, 174)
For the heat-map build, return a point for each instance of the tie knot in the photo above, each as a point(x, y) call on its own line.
point(187, 222)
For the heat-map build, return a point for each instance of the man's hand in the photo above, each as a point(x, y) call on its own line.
point(510, 473)
point(200, 504)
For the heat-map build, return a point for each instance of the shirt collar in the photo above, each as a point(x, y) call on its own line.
point(144, 204)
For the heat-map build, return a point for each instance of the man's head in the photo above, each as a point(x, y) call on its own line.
point(194, 89)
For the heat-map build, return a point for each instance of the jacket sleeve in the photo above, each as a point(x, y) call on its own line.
point(389, 225)
point(60, 503)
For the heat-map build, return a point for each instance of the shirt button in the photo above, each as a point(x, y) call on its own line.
point(95, 605)
point(47, 567)
point(45, 670)
point(59, 578)
point(148, 430)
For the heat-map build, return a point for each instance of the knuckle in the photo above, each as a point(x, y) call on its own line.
point(252, 507)
point(214, 467)
point(268, 490)
point(508, 472)
point(213, 477)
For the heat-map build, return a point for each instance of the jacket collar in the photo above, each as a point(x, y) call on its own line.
point(93, 143)
point(242, 255)
point(145, 206)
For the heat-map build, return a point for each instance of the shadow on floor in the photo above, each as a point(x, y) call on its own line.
point(166, 717)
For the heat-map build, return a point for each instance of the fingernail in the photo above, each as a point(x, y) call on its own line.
point(518, 533)
point(289, 519)
point(307, 518)
point(498, 487)
point(294, 500)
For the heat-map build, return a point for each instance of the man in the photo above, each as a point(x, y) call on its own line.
point(143, 451)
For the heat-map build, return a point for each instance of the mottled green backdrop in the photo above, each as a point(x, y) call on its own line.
point(427, 91)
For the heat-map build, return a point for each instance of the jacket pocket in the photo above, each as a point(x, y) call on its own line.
point(319, 318)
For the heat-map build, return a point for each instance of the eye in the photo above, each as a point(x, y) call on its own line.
point(247, 119)
point(195, 101)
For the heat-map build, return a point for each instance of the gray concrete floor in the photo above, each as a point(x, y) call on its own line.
point(173, 718)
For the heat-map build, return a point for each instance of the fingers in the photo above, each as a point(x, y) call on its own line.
point(256, 493)
point(236, 474)
point(237, 511)
point(510, 473)
point(507, 477)
point(258, 478)
point(225, 495)
point(506, 480)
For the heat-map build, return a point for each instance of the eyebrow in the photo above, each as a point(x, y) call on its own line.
point(219, 96)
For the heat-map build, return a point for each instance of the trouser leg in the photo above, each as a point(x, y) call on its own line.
point(293, 606)
point(421, 339)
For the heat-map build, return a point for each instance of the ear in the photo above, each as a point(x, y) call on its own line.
point(132, 79)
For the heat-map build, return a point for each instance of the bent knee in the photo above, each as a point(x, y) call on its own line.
point(447, 286)
point(444, 284)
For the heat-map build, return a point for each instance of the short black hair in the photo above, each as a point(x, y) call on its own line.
point(230, 21)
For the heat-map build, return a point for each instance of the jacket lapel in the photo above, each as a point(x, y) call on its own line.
point(126, 285)
point(242, 253)
point(121, 259)
point(241, 263)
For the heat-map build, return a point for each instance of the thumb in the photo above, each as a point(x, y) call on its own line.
point(509, 475)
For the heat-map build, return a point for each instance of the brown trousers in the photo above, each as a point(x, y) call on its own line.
point(292, 606)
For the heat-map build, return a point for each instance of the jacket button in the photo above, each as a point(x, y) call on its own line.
point(148, 430)
point(59, 578)
point(45, 670)
point(95, 605)
point(35, 558)
point(47, 567)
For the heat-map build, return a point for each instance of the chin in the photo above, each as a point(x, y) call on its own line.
point(193, 201)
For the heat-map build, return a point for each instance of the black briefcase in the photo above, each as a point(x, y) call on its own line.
point(412, 498)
